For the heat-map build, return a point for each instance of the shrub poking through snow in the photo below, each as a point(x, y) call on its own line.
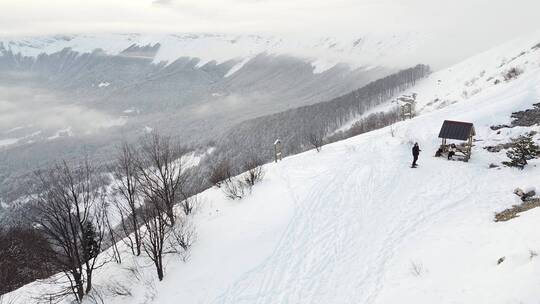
point(236, 188)
point(417, 269)
point(221, 172)
point(512, 73)
point(522, 149)
point(233, 188)
point(254, 172)
point(315, 138)
point(118, 289)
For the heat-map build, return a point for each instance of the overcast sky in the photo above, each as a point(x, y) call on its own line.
point(473, 25)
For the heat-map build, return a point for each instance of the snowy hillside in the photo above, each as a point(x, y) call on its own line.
point(322, 52)
point(105, 88)
point(355, 224)
point(479, 74)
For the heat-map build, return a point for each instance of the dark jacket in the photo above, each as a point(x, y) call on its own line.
point(415, 151)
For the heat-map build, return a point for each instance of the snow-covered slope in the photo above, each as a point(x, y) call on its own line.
point(354, 224)
point(322, 52)
point(478, 74)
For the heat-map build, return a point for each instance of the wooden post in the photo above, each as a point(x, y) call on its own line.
point(469, 147)
point(277, 150)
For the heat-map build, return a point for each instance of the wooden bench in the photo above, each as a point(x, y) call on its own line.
point(460, 153)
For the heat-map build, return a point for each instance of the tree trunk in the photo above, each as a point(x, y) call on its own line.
point(88, 282)
point(136, 233)
point(79, 288)
point(159, 268)
point(170, 215)
point(137, 244)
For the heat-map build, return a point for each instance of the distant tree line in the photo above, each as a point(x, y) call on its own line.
point(303, 128)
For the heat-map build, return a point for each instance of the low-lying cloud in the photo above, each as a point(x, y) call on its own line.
point(48, 112)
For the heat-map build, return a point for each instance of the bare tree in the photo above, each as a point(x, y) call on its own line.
point(315, 138)
point(220, 173)
point(126, 184)
point(70, 209)
point(112, 237)
point(160, 238)
point(182, 236)
point(161, 173)
point(156, 233)
point(189, 203)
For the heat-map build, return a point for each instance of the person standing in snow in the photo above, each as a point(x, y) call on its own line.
point(415, 152)
point(452, 151)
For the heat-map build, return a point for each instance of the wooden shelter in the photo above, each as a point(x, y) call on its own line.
point(407, 111)
point(407, 104)
point(458, 130)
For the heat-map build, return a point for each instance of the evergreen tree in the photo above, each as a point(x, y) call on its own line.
point(523, 149)
point(91, 246)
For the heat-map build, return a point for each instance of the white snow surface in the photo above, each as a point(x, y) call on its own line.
point(323, 53)
point(355, 224)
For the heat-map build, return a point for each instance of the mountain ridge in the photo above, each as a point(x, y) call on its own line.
point(322, 53)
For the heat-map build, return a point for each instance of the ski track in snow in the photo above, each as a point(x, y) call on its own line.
point(336, 242)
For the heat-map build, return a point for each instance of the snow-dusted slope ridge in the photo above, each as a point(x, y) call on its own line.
point(323, 53)
point(478, 74)
point(355, 224)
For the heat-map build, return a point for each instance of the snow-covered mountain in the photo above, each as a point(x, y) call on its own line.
point(108, 87)
point(355, 224)
point(322, 52)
